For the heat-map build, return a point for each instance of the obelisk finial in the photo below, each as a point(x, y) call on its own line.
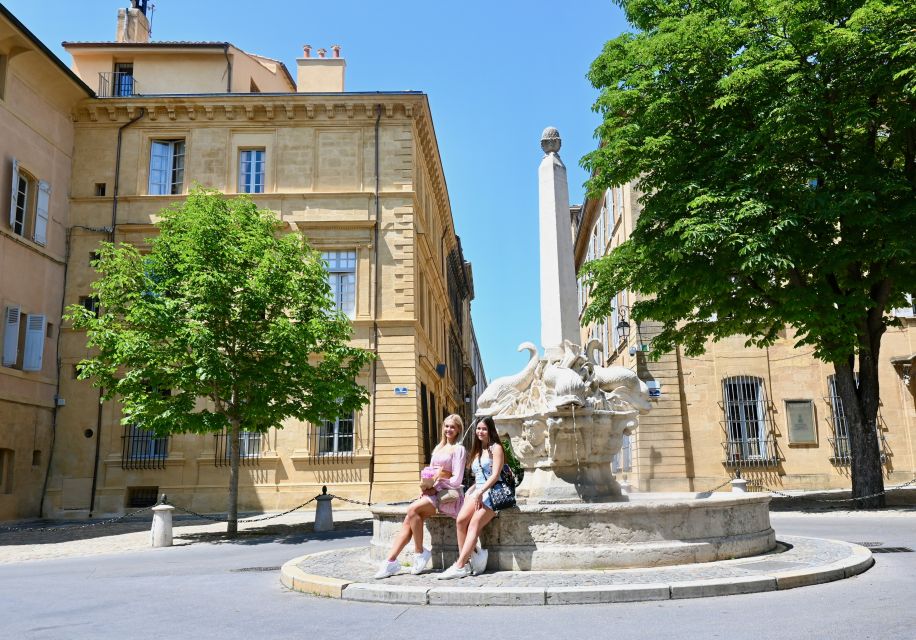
point(550, 140)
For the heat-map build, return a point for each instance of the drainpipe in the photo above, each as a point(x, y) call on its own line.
point(228, 67)
point(56, 409)
point(377, 291)
point(117, 174)
point(111, 236)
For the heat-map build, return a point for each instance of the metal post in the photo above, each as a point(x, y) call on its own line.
point(324, 516)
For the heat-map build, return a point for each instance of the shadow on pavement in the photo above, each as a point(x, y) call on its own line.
point(56, 531)
point(279, 533)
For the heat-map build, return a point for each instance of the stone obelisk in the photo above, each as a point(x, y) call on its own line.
point(559, 313)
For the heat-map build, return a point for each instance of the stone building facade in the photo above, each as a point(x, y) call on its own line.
point(771, 413)
point(359, 174)
point(37, 95)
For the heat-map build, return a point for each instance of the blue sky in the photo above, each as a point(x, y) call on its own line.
point(496, 74)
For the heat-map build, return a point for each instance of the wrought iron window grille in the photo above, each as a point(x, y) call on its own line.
point(143, 449)
point(250, 443)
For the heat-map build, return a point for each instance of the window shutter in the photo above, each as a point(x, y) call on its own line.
point(905, 312)
point(13, 191)
point(41, 213)
point(10, 336)
point(34, 342)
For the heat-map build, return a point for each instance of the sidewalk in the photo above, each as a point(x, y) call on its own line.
point(71, 538)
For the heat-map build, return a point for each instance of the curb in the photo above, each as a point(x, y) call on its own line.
point(294, 578)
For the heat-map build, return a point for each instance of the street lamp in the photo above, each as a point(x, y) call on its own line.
point(623, 330)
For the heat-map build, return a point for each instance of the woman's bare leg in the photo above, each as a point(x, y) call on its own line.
point(417, 512)
point(464, 519)
point(481, 517)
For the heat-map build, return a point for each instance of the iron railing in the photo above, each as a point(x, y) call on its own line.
point(333, 441)
point(842, 451)
point(759, 452)
point(250, 446)
point(143, 449)
point(117, 84)
point(748, 429)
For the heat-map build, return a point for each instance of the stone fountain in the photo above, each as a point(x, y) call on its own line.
point(566, 416)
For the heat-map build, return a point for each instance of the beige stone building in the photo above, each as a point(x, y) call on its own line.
point(37, 95)
point(359, 174)
point(772, 413)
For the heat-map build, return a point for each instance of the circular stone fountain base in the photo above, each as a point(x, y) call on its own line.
point(661, 530)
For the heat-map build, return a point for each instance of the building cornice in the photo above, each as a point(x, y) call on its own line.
point(252, 107)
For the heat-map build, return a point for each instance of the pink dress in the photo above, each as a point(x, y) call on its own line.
point(454, 463)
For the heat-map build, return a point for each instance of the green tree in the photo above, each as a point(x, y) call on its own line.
point(224, 308)
point(775, 143)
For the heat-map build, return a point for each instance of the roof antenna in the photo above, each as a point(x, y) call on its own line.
point(152, 10)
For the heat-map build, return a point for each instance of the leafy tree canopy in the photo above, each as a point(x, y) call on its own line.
point(775, 143)
point(223, 308)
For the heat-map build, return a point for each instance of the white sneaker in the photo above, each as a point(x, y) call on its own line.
point(479, 561)
point(421, 561)
point(455, 572)
point(387, 569)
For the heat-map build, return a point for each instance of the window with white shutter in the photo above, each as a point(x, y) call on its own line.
point(34, 342)
point(11, 336)
point(40, 233)
point(166, 167)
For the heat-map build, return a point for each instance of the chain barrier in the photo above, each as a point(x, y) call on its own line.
point(252, 519)
point(68, 527)
point(840, 500)
point(724, 484)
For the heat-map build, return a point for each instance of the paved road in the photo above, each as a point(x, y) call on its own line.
point(232, 590)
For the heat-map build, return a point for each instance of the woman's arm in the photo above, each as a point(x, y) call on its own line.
point(499, 457)
point(456, 477)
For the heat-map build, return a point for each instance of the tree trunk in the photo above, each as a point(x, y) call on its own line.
point(232, 524)
point(860, 403)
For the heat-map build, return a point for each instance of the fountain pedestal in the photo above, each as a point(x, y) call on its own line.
point(566, 454)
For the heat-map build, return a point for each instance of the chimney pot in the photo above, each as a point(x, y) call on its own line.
point(322, 53)
point(336, 49)
point(307, 51)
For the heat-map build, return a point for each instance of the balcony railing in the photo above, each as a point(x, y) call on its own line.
point(751, 452)
point(117, 84)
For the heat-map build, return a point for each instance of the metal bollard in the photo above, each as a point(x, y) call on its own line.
point(161, 532)
point(324, 516)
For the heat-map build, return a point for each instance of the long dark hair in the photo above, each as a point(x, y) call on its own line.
point(492, 435)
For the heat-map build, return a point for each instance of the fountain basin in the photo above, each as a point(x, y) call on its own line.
point(647, 531)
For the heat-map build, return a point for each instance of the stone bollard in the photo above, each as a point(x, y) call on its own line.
point(161, 532)
point(625, 488)
point(324, 516)
point(739, 485)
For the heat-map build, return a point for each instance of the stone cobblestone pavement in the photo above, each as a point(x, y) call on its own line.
point(354, 565)
point(797, 561)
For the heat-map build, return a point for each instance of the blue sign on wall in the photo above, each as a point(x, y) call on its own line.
point(400, 391)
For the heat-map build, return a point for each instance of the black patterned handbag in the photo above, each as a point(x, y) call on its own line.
point(502, 493)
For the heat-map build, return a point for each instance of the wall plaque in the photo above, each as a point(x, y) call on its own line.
point(800, 419)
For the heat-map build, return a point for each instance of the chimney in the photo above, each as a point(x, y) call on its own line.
point(133, 25)
point(321, 74)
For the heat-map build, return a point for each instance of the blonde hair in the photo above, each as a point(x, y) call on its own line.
point(458, 422)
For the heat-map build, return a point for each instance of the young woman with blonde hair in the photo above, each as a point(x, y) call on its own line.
point(449, 460)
